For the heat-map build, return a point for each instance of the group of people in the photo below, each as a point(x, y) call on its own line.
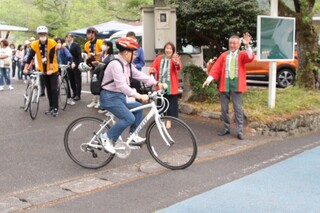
point(123, 90)
point(47, 54)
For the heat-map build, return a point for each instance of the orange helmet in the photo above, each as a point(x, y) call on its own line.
point(127, 44)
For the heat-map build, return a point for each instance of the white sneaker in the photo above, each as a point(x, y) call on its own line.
point(92, 104)
point(137, 139)
point(1, 88)
point(10, 87)
point(97, 106)
point(107, 144)
point(70, 102)
point(102, 111)
point(25, 81)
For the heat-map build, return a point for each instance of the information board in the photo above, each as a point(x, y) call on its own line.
point(275, 38)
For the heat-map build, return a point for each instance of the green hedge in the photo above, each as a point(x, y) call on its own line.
point(196, 77)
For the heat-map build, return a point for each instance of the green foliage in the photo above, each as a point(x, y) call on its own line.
point(62, 16)
point(196, 78)
point(212, 22)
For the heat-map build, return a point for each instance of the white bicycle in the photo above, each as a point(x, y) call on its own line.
point(63, 88)
point(173, 147)
point(31, 97)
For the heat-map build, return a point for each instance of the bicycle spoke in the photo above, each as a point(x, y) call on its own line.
point(178, 153)
point(77, 140)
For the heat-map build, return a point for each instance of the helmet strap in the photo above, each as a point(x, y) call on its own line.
point(131, 57)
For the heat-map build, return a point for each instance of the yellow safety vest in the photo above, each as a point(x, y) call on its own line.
point(51, 44)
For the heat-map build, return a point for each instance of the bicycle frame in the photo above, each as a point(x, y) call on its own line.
point(34, 82)
point(152, 113)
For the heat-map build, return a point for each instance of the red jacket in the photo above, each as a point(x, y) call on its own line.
point(174, 80)
point(218, 72)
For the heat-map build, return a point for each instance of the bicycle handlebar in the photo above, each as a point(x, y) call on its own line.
point(153, 95)
point(35, 73)
point(64, 66)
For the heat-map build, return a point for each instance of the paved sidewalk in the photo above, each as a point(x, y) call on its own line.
point(289, 186)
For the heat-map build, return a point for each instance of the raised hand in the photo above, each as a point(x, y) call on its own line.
point(246, 39)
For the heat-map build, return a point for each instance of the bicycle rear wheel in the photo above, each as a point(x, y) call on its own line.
point(182, 149)
point(63, 94)
point(77, 135)
point(34, 102)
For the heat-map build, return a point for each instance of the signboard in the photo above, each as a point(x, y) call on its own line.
point(275, 38)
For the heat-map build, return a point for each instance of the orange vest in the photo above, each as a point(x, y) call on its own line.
point(98, 48)
point(51, 44)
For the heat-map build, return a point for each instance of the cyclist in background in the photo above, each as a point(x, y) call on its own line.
point(64, 57)
point(44, 51)
point(118, 97)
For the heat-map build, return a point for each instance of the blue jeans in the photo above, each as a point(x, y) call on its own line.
point(5, 72)
point(116, 103)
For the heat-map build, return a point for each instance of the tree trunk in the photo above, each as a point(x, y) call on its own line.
point(307, 53)
point(306, 37)
point(187, 91)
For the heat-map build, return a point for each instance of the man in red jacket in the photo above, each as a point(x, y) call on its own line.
point(229, 69)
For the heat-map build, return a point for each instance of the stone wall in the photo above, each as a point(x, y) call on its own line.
point(306, 122)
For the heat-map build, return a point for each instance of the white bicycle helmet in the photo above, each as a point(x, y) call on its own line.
point(42, 29)
point(83, 67)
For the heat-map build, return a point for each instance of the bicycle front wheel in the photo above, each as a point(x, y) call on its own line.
point(34, 102)
point(181, 150)
point(26, 98)
point(63, 94)
point(76, 142)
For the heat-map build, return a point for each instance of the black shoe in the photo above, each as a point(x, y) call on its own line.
point(42, 94)
point(240, 136)
point(76, 98)
point(225, 132)
point(55, 112)
point(49, 111)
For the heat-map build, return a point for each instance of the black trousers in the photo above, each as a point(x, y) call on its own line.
point(173, 109)
point(51, 82)
point(75, 81)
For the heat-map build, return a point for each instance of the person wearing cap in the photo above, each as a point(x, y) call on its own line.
point(118, 97)
point(44, 50)
point(93, 48)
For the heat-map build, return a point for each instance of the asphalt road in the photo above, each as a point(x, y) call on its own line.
point(38, 176)
point(32, 152)
point(159, 191)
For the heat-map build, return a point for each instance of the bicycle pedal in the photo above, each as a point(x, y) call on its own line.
point(135, 146)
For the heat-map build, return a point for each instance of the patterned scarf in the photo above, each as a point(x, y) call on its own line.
point(235, 80)
point(165, 72)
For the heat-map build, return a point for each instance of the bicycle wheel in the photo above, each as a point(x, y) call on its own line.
point(77, 135)
point(63, 94)
point(26, 97)
point(34, 102)
point(182, 149)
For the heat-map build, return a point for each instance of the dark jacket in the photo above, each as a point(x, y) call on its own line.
point(75, 51)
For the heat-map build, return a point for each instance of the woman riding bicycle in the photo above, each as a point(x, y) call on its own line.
point(118, 97)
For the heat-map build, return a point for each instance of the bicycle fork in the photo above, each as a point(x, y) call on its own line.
point(163, 131)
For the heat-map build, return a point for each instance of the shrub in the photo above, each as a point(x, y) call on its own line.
point(196, 76)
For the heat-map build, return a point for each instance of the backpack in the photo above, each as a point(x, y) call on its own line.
point(97, 77)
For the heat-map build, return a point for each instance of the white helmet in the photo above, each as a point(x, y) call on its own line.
point(42, 29)
point(83, 67)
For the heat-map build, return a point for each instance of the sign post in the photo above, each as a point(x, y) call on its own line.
point(275, 42)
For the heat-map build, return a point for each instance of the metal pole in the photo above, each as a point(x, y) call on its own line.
point(273, 64)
